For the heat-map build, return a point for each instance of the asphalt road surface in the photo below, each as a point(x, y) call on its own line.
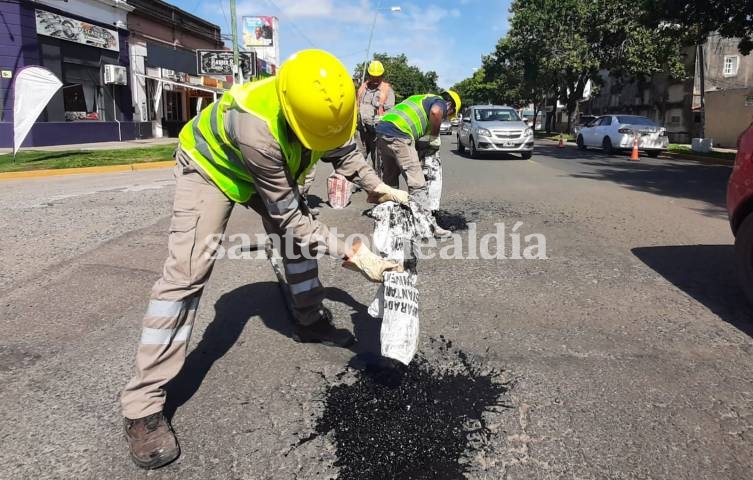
point(627, 353)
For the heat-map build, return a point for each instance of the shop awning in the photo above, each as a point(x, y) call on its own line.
point(214, 91)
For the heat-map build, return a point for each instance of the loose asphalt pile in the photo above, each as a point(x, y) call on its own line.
point(423, 421)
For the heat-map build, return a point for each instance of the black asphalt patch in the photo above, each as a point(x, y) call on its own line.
point(451, 220)
point(423, 421)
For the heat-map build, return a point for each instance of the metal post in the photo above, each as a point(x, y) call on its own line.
point(371, 35)
point(234, 30)
point(702, 74)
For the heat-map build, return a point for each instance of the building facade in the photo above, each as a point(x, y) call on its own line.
point(85, 44)
point(167, 86)
point(728, 89)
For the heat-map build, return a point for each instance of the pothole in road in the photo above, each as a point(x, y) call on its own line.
point(451, 220)
point(424, 421)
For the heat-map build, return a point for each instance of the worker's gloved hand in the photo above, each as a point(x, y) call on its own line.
point(430, 142)
point(384, 193)
point(377, 119)
point(367, 263)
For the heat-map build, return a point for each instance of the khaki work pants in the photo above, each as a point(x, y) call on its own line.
point(200, 210)
point(399, 156)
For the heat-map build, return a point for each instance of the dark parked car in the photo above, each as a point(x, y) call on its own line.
point(740, 209)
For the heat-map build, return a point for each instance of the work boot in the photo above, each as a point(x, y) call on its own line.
point(323, 331)
point(151, 441)
point(440, 232)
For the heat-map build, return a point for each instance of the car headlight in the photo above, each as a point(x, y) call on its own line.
point(484, 132)
point(528, 132)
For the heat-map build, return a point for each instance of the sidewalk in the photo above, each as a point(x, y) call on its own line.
point(143, 143)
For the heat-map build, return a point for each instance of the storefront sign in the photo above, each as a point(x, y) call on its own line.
point(64, 28)
point(220, 62)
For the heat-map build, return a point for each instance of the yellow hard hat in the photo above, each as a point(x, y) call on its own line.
point(455, 98)
point(318, 99)
point(376, 69)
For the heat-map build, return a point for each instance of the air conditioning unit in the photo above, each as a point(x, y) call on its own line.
point(116, 75)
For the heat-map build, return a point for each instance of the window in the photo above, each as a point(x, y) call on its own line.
point(635, 120)
point(731, 63)
point(496, 115)
point(81, 92)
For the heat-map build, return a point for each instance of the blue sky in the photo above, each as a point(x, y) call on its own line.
point(447, 36)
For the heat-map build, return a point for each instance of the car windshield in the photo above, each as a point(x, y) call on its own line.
point(496, 115)
point(636, 121)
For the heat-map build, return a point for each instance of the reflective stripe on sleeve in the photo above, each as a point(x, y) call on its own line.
point(166, 308)
point(285, 204)
point(419, 110)
point(304, 286)
point(301, 267)
point(165, 336)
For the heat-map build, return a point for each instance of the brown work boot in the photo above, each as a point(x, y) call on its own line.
point(151, 441)
point(323, 331)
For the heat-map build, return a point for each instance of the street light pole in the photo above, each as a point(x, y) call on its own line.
point(234, 30)
point(371, 36)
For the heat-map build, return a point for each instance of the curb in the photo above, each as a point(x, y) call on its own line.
point(131, 167)
point(666, 155)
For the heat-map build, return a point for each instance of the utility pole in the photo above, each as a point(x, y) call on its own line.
point(234, 30)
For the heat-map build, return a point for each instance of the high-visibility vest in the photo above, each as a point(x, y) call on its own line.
point(384, 92)
point(216, 152)
point(409, 116)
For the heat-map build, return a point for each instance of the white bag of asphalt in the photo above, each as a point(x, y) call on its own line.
point(396, 301)
point(432, 168)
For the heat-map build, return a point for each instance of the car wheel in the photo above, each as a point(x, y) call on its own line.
point(653, 153)
point(472, 149)
point(580, 142)
point(461, 147)
point(744, 254)
point(526, 155)
point(606, 145)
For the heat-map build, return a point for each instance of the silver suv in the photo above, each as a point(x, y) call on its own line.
point(494, 128)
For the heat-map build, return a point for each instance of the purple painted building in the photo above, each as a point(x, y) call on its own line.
point(86, 47)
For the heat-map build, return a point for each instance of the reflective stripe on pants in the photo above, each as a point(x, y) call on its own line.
point(200, 209)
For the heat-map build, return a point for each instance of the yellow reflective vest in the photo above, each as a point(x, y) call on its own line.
point(215, 150)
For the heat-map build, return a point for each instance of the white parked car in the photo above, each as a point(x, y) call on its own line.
point(493, 128)
point(616, 132)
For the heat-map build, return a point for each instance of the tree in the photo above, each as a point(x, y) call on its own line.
point(477, 89)
point(563, 44)
point(694, 20)
point(406, 79)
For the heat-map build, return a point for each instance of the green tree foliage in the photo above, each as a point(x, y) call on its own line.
point(693, 20)
point(406, 79)
point(476, 89)
point(555, 47)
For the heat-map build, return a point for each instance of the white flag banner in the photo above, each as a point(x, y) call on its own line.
point(33, 89)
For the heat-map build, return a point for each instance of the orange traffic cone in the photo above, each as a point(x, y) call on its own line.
point(635, 155)
point(562, 142)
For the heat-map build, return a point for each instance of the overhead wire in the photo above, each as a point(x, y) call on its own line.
point(292, 23)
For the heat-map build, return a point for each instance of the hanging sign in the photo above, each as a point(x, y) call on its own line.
point(220, 62)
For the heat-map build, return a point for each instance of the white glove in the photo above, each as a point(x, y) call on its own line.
point(370, 265)
point(384, 193)
point(433, 142)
